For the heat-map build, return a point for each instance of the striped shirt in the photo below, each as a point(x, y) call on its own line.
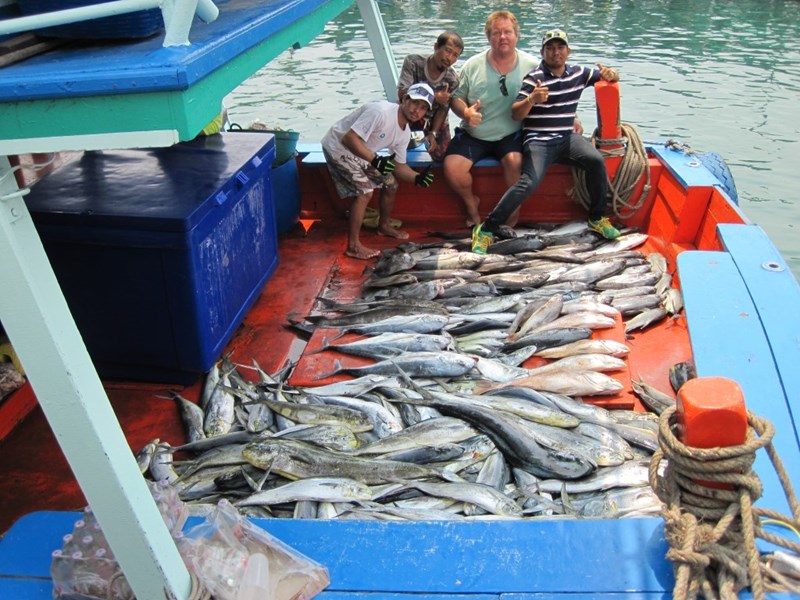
point(556, 117)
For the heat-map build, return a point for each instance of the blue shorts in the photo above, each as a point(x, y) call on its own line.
point(463, 144)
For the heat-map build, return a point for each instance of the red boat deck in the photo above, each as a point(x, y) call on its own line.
point(37, 476)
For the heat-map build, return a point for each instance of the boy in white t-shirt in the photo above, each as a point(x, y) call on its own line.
point(351, 149)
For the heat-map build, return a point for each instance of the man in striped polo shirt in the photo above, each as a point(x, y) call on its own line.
point(547, 104)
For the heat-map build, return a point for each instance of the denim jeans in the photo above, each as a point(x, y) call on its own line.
point(571, 149)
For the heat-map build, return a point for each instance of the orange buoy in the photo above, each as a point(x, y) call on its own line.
point(711, 414)
point(609, 125)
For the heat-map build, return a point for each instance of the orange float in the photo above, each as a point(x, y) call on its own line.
point(711, 414)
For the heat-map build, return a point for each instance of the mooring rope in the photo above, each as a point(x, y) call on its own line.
point(634, 164)
point(712, 529)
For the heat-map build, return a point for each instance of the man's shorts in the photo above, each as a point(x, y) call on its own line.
point(353, 176)
point(463, 144)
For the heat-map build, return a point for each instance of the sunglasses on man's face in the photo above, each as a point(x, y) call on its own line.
point(503, 88)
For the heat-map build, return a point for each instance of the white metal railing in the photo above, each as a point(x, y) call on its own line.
point(177, 15)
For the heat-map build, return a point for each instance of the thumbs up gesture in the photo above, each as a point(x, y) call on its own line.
point(607, 73)
point(472, 114)
point(540, 93)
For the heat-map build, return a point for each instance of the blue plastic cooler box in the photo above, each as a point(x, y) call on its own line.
point(161, 252)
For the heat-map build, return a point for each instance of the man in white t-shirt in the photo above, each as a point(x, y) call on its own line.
point(351, 149)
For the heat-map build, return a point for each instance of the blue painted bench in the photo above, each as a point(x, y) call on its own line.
point(741, 307)
point(392, 560)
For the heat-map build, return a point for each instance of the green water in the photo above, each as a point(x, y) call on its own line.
point(720, 76)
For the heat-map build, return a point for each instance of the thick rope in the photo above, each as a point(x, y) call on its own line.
point(633, 165)
point(712, 529)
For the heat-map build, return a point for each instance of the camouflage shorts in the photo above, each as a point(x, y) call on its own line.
point(353, 176)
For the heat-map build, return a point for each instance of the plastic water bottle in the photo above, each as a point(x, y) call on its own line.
point(255, 581)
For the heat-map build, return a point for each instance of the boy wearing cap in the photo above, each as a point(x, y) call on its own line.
point(437, 71)
point(547, 104)
point(351, 149)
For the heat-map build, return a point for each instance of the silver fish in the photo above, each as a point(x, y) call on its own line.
point(589, 305)
point(145, 455)
point(494, 370)
point(439, 430)
point(627, 280)
point(645, 319)
point(458, 260)
point(418, 364)
point(593, 271)
point(535, 315)
point(572, 383)
point(658, 262)
point(622, 243)
point(589, 320)
point(219, 409)
point(412, 323)
point(389, 264)
point(654, 399)
point(629, 306)
point(632, 473)
point(319, 489)
point(298, 460)
point(582, 362)
point(481, 495)
point(317, 414)
point(589, 346)
point(392, 343)
point(192, 417)
point(384, 421)
point(515, 281)
point(328, 435)
point(514, 439)
point(673, 301)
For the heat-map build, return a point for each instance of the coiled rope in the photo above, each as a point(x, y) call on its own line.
point(712, 531)
point(633, 165)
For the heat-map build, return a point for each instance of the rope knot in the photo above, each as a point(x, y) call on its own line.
point(709, 519)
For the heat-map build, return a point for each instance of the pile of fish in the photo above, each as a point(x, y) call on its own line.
point(445, 422)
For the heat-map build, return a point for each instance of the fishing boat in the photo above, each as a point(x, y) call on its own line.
point(69, 436)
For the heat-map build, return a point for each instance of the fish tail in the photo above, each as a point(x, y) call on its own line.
point(337, 368)
point(325, 345)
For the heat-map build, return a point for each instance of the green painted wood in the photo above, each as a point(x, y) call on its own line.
point(184, 112)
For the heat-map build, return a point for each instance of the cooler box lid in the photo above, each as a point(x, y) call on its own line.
point(157, 189)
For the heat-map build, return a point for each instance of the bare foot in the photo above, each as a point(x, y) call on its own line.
point(473, 216)
point(361, 253)
point(391, 232)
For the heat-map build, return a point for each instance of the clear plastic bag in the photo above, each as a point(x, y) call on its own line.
point(85, 566)
point(218, 550)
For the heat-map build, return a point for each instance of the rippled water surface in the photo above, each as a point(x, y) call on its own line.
point(721, 76)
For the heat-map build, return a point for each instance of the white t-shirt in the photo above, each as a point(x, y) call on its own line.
point(376, 124)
